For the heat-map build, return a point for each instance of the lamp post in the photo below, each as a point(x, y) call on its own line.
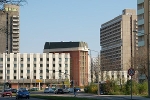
point(98, 69)
point(148, 67)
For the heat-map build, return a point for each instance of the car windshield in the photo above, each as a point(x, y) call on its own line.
point(24, 91)
point(6, 90)
point(46, 89)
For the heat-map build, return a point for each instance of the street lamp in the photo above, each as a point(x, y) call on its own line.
point(98, 68)
point(147, 61)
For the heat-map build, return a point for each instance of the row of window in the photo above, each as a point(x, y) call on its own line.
point(35, 59)
point(35, 65)
point(34, 77)
point(28, 71)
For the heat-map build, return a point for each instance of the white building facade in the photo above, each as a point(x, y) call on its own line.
point(29, 68)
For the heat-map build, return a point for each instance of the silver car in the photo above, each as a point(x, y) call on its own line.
point(48, 90)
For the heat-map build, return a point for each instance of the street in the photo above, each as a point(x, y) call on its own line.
point(100, 97)
point(82, 95)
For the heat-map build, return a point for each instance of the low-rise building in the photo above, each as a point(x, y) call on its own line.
point(27, 70)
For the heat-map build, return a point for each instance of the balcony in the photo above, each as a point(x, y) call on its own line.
point(16, 20)
point(141, 22)
point(15, 24)
point(16, 28)
point(141, 32)
point(16, 40)
point(16, 32)
point(141, 43)
point(140, 1)
point(140, 11)
point(15, 43)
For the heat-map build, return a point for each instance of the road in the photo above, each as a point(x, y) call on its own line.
point(13, 98)
point(83, 95)
point(100, 97)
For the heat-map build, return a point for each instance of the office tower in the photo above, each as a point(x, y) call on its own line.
point(143, 33)
point(118, 41)
point(78, 59)
point(9, 28)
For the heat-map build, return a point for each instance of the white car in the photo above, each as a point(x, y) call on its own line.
point(48, 90)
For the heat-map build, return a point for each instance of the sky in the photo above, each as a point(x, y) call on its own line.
point(66, 20)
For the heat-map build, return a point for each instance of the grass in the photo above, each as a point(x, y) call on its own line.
point(59, 98)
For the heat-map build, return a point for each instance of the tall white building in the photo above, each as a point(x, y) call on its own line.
point(26, 68)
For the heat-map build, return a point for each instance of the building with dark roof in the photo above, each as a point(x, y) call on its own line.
point(78, 58)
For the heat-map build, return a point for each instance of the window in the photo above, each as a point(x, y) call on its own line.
point(15, 77)
point(8, 59)
point(59, 59)
point(66, 59)
point(34, 65)
point(59, 71)
point(8, 77)
point(41, 77)
point(47, 77)
point(47, 59)
point(1, 77)
point(21, 65)
point(59, 65)
point(28, 71)
point(34, 71)
point(34, 77)
point(53, 59)
point(41, 59)
point(1, 71)
point(28, 59)
point(15, 71)
point(41, 71)
point(53, 65)
point(41, 65)
point(21, 76)
point(15, 59)
point(66, 65)
point(15, 65)
point(53, 71)
point(34, 59)
point(47, 65)
point(28, 77)
point(1, 59)
point(28, 65)
point(8, 65)
point(21, 71)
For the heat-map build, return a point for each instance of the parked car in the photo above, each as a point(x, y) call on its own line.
point(13, 90)
point(6, 93)
point(59, 91)
point(66, 90)
point(48, 90)
point(34, 89)
point(22, 94)
point(71, 90)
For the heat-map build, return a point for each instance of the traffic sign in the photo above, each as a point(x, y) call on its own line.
point(131, 71)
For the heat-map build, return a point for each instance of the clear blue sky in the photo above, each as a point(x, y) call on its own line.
point(66, 20)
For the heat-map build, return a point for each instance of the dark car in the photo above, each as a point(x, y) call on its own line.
point(59, 91)
point(22, 94)
point(13, 90)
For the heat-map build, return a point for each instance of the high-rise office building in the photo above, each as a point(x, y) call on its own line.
point(143, 17)
point(9, 28)
point(118, 41)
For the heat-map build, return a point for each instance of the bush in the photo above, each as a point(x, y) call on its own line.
point(92, 88)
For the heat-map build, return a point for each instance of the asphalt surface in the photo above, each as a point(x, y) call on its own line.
point(82, 95)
